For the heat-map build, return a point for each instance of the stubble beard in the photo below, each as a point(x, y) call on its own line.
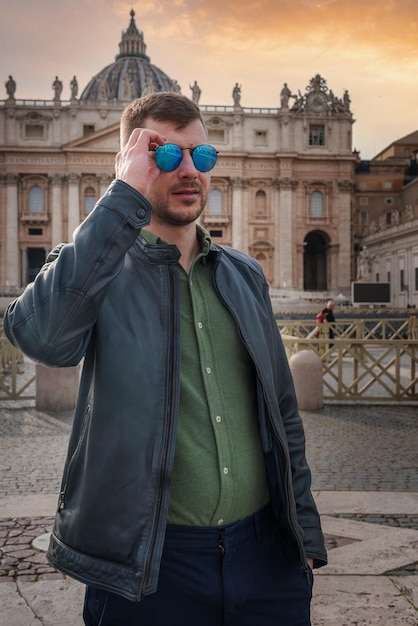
point(162, 211)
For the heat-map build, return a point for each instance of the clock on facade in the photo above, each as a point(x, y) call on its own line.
point(317, 101)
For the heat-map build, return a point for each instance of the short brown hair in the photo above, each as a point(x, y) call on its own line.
point(160, 106)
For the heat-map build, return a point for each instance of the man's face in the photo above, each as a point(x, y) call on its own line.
point(178, 197)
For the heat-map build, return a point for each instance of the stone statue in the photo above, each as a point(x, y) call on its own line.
point(57, 87)
point(299, 102)
point(364, 265)
point(175, 86)
point(236, 95)
point(11, 88)
point(196, 92)
point(74, 88)
point(409, 213)
point(346, 100)
point(382, 222)
point(285, 94)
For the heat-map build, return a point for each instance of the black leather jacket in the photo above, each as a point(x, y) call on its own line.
point(114, 299)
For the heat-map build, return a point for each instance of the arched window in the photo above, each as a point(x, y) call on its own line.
point(36, 199)
point(317, 204)
point(261, 204)
point(89, 200)
point(215, 202)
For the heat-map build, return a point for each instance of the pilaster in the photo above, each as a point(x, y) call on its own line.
point(12, 230)
point(56, 209)
point(73, 204)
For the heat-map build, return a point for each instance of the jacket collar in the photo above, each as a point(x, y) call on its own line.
point(158, 251)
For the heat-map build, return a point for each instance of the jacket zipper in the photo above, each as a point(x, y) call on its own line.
point(167, 440)
point(290, 516)
point(61, 501)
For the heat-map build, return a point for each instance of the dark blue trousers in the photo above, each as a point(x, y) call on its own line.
point(241, 574)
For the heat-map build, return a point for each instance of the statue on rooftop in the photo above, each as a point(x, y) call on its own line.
point(285, 94)
point(74, 88)
point(346, 100)
point(196, 92)
point(57, 87)
point(236, 95)
point(11, 88)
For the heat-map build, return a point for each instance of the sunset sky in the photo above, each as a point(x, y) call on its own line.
point(369, 47)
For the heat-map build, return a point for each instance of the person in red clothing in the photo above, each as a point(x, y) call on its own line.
point(321, 317)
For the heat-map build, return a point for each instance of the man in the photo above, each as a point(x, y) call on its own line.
point(331, 317)
point(186, 494)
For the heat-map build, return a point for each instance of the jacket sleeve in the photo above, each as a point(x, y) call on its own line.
point(53, 319)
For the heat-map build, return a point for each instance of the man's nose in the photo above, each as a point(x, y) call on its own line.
point(187, 168)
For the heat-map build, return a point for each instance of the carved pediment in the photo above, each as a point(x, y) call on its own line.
point(104, 139)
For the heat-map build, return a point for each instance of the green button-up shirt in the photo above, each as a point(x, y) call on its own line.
point(219, 472)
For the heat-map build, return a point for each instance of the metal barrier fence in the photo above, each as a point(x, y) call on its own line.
point(372, 360)
point(17, 376)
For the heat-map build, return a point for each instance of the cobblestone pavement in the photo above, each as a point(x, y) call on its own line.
point(349, 448)
point(363, 448)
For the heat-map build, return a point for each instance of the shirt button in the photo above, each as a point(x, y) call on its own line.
point(226, 470)
point(200, 325)
point(220, 522)
point(218, 419)
point(208, 370)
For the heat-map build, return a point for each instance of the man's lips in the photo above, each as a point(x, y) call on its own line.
point(186, 191)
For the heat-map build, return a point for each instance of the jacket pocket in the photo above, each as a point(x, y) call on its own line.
point(71, 461)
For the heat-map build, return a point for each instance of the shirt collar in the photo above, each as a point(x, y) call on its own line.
point(201, 233)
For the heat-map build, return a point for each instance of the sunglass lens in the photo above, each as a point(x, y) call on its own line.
point(168, 157)
point(204, 157)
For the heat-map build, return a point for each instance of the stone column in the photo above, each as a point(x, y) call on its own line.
point(13, 278)
point(239, 215)
point(346, 190)
point(104, 182)
point(24, 265)
point(333, 267)
point(73, 204)
point(275, 213)
point(286, 250)
point(56, 209)
point(285, 132)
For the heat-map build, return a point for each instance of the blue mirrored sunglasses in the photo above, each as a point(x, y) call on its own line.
point(168, 157)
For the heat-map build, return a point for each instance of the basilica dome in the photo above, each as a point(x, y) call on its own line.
point(131, 75)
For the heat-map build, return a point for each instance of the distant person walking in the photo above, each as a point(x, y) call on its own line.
point(331, 317)
point(321, 317)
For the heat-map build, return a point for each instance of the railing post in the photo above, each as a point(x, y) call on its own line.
point(56, 388)
point(306, 368)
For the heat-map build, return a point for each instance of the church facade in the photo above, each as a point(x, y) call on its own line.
point(385, 220)
point(283, 189)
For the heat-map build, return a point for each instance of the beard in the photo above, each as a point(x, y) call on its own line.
point(177, 212)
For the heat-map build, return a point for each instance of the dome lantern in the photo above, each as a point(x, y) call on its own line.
point(132, 42)
point(132, 74)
